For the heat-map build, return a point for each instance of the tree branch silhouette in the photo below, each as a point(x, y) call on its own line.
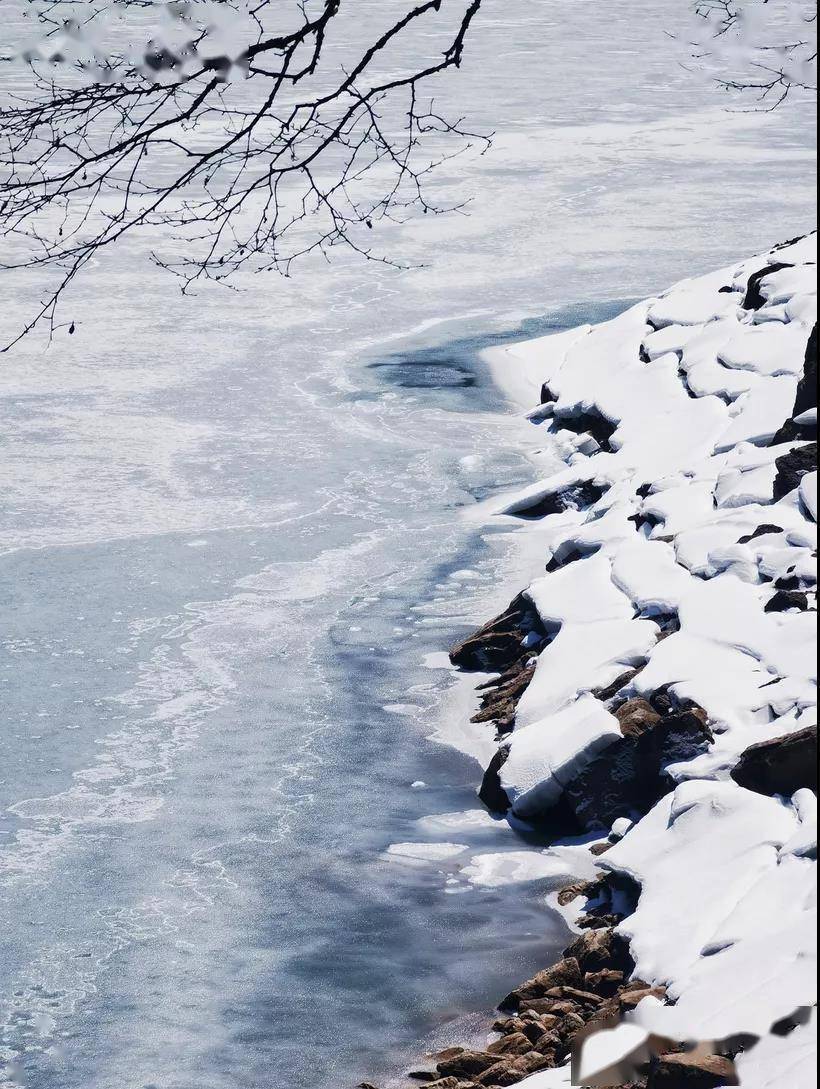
point(249, 156)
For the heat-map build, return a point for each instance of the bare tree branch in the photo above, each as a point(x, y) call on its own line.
point(248, 132)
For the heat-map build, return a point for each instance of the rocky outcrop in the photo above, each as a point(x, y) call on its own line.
point(780, 766)
point(792, 467)
point(571, 497)
point(501, 643)
point(805, 399)
point(491, 791)
point(630, 775)
point(754, 299)
point(692, 1072)
point(500, 697)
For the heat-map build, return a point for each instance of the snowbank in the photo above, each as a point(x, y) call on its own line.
point(680, 543)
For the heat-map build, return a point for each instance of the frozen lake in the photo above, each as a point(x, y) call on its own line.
point(234, 528)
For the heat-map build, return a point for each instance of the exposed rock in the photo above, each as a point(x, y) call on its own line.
point(601, 949)
point(573, 497)
point(792, 467)
point(636, 716)
point(605, 982)
point(566, 972)
point(517, 1043)
point(611, 690)
point(787, 582)
point(780, 766)
point(693, 1072)
point(590, 423)
point(501, 699)
point(754, 299)
point(572, 892)
point(491, 792)
point(629, 776)
point(761, 531)
point(498, 645)
point(468, 1064)
point(805, 399)
point(787, 599)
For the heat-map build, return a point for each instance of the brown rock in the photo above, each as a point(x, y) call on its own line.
point(468, 1064)
point(600, 949)
point(613, 689)
point(628, 1000)
point(599, 849)
point(497, 645)
point(606, 982)
point(571, 1025)
point(515, 1044)
point(636, 716)
point(693, 1072)
point(514, 1071)
point(541, 1006)
point(572, 892)
point(780, 766)
point(586, 998)
point(565, 972)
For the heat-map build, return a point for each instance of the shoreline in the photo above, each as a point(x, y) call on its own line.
point(642, 725)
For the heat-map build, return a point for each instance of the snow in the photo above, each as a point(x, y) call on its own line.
point(535, 773)
point(777, 1061)
point(697, 387)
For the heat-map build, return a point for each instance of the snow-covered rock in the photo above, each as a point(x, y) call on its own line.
point(682, 558)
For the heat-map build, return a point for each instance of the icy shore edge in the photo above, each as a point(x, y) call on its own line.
point(657, 687)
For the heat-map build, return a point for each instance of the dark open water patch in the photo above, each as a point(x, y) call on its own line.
point(453, 362)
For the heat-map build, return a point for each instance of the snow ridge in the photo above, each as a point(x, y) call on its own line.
point(681, 545)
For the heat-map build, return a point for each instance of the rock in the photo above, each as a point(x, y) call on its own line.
point(780, 766)
point(605, 982)
point(787, 582)
point(517, 1043)
point(491, 791)
point(636, 716)
point(498, 645)
point(500, 699)
point(598, 922)
point(468, 1064)
point(792, 467)
point(566, 972)
point(629, 776)
point(690, 1071)
point(514, 1071)
point(424, 1076)
point(784, 600)
point(599, 849)
point(592, 423)
point(597, 950)
point(449, 1053)
point(573, 497)
point(604, 694)
point(761, 531)
point(572, 892)
point(629, 999)
point(754, 299)
point(447, 1083)
point(805, 398)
